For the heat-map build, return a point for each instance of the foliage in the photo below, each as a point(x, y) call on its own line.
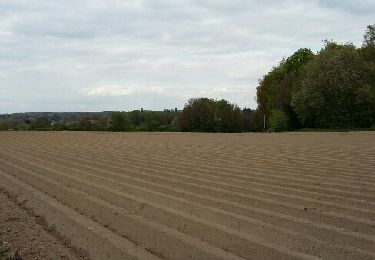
point(333, 92)
point(248, 124)
point(278, 121)
point(145, 120)
point(198, 115)
point(275, 89)
point(369, 37)
point(9, 124)
point(40, 123)
point(3, 125)
point(209, 115)
point(333, 89)
point(22, 127)
point(59, 126)
point(120, 122)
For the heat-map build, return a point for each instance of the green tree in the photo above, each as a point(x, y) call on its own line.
point(40, 123)
point(275, 89)
point(332, 87)
point(120, 122)
point(278, 121)
point(137, 117)
point(228, 117)
point(209, 115)
point(4, 125)
point(22, 127)
point(198, 115)
point(369, 37)
point(59, 126)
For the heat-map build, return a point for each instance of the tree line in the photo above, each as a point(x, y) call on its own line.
point(198, 115)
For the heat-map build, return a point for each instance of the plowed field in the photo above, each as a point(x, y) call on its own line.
point(198, 196)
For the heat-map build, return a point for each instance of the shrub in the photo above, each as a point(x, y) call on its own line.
point(278, 121)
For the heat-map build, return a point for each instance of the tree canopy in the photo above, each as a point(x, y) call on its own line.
point(334, 88)
point(209, 115)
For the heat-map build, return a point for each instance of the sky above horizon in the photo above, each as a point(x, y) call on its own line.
point(98, 55)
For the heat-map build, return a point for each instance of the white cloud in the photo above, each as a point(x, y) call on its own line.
point(118, 91)
point(113, 90)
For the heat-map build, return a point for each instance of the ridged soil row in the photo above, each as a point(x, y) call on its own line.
point(289, 166)
point(345, 221)
point(313, 244)
point(93, 169)
point(213, 162)
point(151, 212)
point(129, 221)
point(357, 206)
point(84, 233)
point(209, 156)
point(241, 163)
point(360, 192)
point(255, 185)
point(228, 178)
point(221, 166)
point(232, 207)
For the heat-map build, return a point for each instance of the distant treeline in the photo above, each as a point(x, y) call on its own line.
point(199, 115)
point(331, 89)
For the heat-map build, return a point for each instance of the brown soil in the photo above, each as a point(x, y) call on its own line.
point(25, 235)
point(188, 196)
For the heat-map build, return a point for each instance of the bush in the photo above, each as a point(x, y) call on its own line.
point(22, 127)
point(3, 125)
point(278, 121)
point(59, 127)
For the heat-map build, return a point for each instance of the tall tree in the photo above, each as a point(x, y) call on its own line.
point(332, 88)
point(275, 89)
point(369, 37)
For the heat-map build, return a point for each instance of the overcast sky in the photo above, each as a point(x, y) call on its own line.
point(97, 55)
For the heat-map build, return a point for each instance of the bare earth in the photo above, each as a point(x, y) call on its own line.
point(74, 195)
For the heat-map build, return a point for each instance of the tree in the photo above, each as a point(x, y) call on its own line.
point(4, 125)
point(120, 122)
point(84, 124)
point(331, 89)
point(228, 117)
point(278, 121)
point(369, 37)
point(60, 126)
point(137, 117)
point(209, 115)
point(22, 126)
point(275, 89)
point(198, 116)
point(40, 123)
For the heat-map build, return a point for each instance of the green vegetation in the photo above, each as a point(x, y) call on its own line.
point(120, 122)
point(208, 115)
point(278, 121)
point(333, 89)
